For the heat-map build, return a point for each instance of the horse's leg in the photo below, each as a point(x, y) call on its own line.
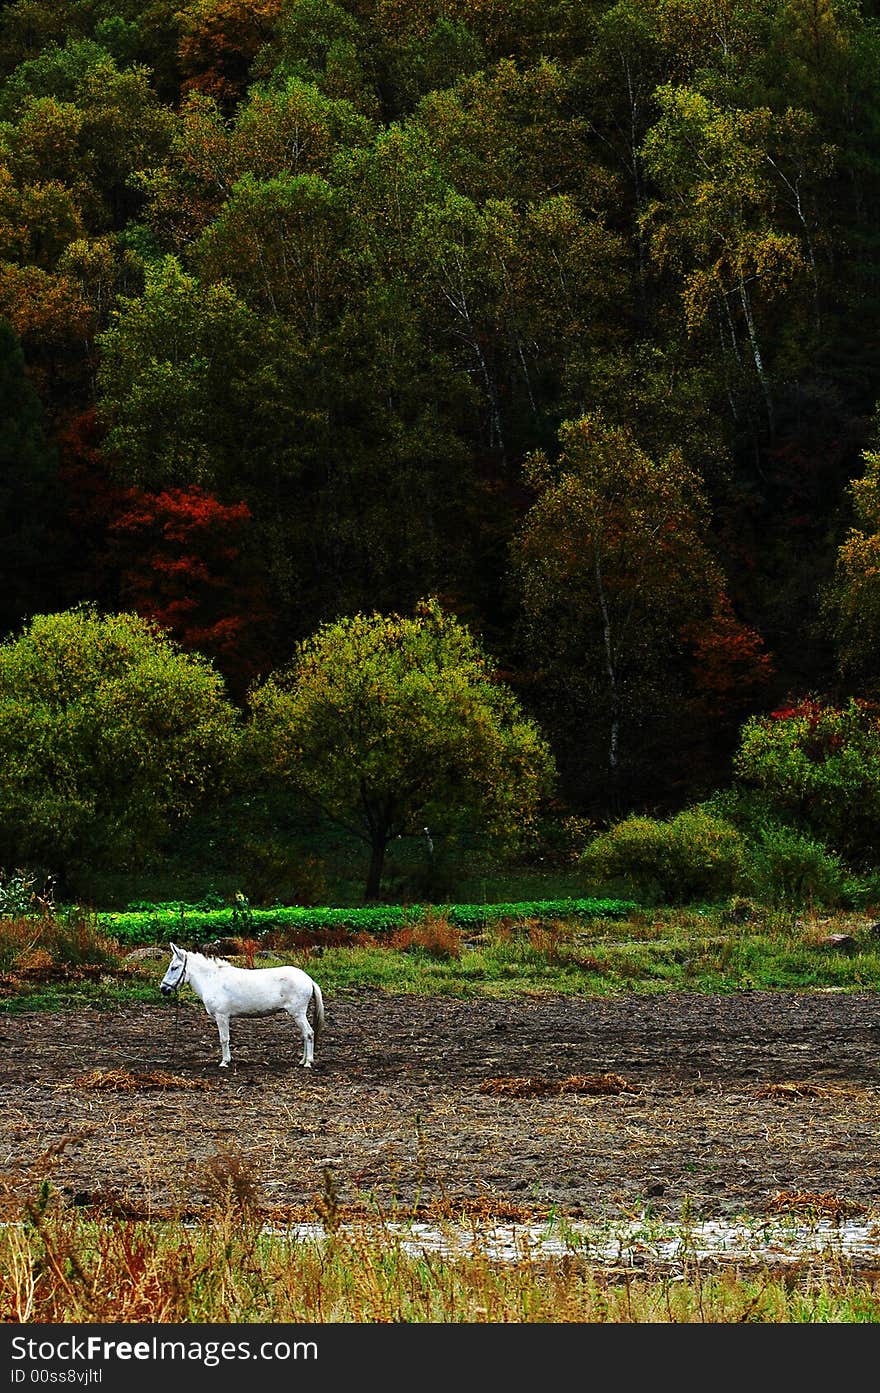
point(308, 1036)
point(223, 1031)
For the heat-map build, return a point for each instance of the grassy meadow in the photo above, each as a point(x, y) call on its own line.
point(65, 959)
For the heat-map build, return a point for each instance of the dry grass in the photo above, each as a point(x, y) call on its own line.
point(229, 1182)
point(824, 1206)
point(534, 1087)
point(123, 1081)
point(787, 1090)
point(59, 1264)
point(44, 945)
point(432, 934)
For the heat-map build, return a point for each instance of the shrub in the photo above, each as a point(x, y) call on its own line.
point(708, 854)
point(818, 767)
point(634, 852)
point(71, 939)
point(785, 866)
point(24, 893)
point(862, 891)
point(695, 855)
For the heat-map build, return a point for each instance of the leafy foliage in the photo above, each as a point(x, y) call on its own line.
point(693, 856)
point(159, 922)
point(109, 735)
point(819, 765)
point(389, 722)
point(787, 867)
point(562, 313)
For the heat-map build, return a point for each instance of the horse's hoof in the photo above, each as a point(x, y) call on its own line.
point(223, 1064)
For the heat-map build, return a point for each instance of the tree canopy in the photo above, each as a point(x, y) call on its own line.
point(390, 723)
point(338, 276)
point(109, 736)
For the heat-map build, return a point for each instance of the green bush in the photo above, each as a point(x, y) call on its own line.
point(785, 862)
point(634, 852)
point(785, 866)
point(695, 855)
point(862, 891)
point(24, 893)
point(818, 767)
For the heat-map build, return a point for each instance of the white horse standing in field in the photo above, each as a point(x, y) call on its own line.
point(228, 991)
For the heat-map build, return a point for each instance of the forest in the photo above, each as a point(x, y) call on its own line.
point(554, 319)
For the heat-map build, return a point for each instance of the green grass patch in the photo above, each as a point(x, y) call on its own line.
point(644, 952)
point(161, 922)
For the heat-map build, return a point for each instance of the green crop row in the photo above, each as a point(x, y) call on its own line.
point(168, 921)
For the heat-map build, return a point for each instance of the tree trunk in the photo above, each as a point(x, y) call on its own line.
point(613, 690)
point(756, 351)
point(377, 860)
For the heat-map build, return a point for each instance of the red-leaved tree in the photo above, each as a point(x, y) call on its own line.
point(182, 562)
point(730, 664)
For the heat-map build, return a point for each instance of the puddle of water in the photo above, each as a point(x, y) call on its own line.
point(633, 1243)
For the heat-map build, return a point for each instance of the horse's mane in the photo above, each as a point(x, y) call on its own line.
point(211, 962)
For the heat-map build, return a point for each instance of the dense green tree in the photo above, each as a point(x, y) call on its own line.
point(476, 129)
point(73, 114)
point(196, 387)
point(716, 224)
point(324, 43)
point(329, 442)
point(407, 240)
point(109, 734)
point(28, 492)
point(132, 31)
point(388, 723)
point(278, 242)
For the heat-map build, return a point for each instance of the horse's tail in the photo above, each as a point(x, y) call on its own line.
point(318, 999)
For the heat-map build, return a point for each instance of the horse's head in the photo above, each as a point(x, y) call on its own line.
point(176, 974)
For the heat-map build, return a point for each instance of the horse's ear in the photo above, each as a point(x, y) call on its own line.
point(175, 950)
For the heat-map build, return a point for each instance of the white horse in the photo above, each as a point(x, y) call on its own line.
point(228, 991)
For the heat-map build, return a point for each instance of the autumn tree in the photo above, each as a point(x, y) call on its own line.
point(388, 723)
point(109, 737)
point(613, 560)
point(182, 560)
point(218, 42)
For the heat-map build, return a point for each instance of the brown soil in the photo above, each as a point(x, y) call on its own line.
point(745, 1104)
